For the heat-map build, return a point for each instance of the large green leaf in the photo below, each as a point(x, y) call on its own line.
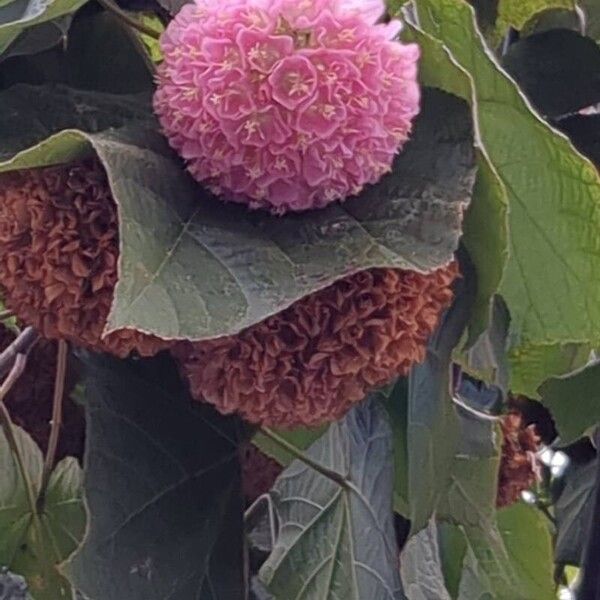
point(162, 486)
point(553, 255)
point(33, 545)
point(559, 70)
point(574, 401)
point(333, 541)
point(193, 267)
point(19, 15)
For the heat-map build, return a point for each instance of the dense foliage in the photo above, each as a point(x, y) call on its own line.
point(300, 299)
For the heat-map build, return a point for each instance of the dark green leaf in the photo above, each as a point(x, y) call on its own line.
point(192, 267)
point(162, 484)
point(301, 438)
point(552, 253)
point(338, 542)
point(573, 510)
point(81, 62)
point(559, 70)
point(39, 38)
point(574, 401)
point(33, 547)
point(584, 132)
point(432, 426)
point(19, 15)
point(452, 549)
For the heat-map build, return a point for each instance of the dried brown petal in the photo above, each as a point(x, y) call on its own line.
point(310, 363)
point(29, 401)
point(519, 469)
point(259, 472)
point(58, 255)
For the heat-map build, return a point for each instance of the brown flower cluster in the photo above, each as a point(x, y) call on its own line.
point(58, 255)
point(311, 362)
point(259, 472)
point(519, 470)
point(29, 401)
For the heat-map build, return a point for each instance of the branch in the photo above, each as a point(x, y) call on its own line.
point(112, 7)
point(24, 342)
point(333, 475)
point(57, 404)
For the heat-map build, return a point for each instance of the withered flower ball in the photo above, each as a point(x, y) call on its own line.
point(29, 401)
point(59, 248)
point(259, 472)
point(310, 363)
point(519, 469)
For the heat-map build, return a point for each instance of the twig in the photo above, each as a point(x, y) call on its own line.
point(57, 404)
point(26, 339)
point(6, 314)
point(333, 475)
point(134, 23)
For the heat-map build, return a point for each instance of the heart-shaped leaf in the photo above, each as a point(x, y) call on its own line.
point(32, 544)
point(338, 541)
point(193, 267)
point(162, 485)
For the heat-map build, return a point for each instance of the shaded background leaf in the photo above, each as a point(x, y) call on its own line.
point(162, 486)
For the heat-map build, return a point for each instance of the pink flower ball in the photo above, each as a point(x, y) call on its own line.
point(286, 104)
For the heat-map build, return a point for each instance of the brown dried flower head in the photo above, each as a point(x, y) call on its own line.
point(58, 255)
point(310, 363)
point(259, 472)
point(519, 469)
point(29, 401)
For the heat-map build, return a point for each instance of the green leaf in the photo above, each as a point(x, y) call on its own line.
point(432, 425)
point(573, 510)
point(301, 438)
point(193, 267)
point(39, 38)
point(162, 485)
point(553, 255)
point(333, 541)
point(452, 549)
point(574, 401)
point(34, 546)
point(516, 13)
point(526, 534)
point(19, 15)
point(559, 70)
point(531, 365)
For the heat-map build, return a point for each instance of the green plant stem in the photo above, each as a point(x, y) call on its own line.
point(56, 423)
point(6, 314)
point(133, 23)
point(335, 477)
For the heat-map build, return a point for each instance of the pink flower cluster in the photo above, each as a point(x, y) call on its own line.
point(286, 104)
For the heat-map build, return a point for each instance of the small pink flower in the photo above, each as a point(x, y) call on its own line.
point(286, 105)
